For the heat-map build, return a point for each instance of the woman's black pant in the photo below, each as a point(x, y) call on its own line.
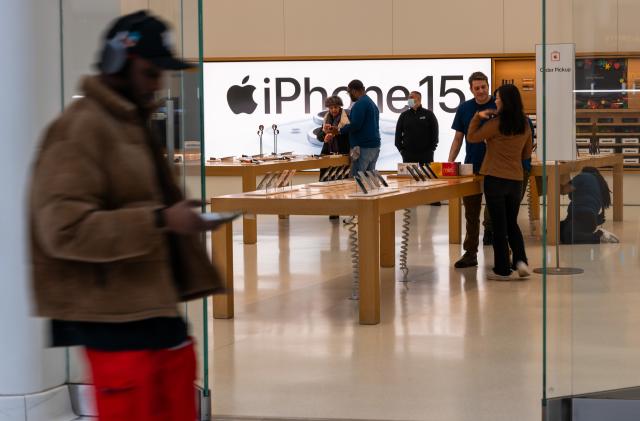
point(503, 200)
point(579, 228)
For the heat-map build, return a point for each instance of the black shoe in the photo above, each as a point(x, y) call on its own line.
point(435, 204)
point(487, 239)
point(466, 261)
point(334, 217)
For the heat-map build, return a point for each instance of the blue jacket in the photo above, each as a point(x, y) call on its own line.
point(364, 129)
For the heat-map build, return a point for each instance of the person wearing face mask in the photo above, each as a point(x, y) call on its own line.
point(417, 132)
point(479, 86)
point(507, 135)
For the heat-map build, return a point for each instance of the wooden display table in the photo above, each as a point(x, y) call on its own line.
point(249, 172)
point(565, 168)
point(376, 227)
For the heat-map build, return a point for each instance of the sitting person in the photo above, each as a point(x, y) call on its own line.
point(590, 196)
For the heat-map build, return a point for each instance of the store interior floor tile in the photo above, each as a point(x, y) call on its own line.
point(451, 345)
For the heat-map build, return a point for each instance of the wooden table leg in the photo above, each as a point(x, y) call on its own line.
point(553, 205)
point(618, 204)
point(388, 240)
point(249, 221)
point(368, 245)
point(222, 249)
point(455, 220)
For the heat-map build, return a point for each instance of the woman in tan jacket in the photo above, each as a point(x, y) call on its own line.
point(508, 137)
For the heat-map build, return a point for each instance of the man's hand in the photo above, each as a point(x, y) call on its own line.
point(328, 138)
point(181, 219)
point(455, 146)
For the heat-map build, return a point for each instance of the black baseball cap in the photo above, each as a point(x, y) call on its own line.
point(144, 36)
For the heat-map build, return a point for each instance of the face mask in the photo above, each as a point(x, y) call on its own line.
point(411, 102)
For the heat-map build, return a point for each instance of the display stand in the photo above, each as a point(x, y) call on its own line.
point(333, 183)
point(271, 192)
point(376, 192)
point(557, 270)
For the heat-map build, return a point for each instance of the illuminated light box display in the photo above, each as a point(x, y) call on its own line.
point(240, 96)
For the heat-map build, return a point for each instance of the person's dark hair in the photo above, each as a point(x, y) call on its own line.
point(417, 93)
point(333, 100)
point(478, 76)
point(512, 118)
point(604, 187)
point(356, 85)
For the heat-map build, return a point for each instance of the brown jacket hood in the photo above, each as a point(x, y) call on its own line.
point(97, 254)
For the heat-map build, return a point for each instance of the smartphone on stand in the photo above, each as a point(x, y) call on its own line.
point(428, 169)
point(272, 181)
point(419, 173)
point(326, 173)
point(288, 178)
point(366, 181)
point(412, 172)
point(281, 178)
point(381, 178)
point(345, 172)
point(372, 178)
point(263, 181)
point(359, 182)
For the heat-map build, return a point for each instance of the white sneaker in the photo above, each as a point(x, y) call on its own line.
point(495, 277)
point(523, 270)
point(607, 236)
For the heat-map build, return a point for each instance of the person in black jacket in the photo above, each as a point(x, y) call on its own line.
point(417, 132)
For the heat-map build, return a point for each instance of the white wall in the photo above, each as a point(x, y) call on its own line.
point(83, 24)
point(29, 42)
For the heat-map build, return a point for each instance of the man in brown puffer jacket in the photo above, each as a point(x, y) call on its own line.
point(115, 246)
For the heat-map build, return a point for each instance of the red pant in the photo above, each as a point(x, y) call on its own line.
point(144, 385)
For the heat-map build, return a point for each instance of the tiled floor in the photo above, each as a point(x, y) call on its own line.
point(451, 345)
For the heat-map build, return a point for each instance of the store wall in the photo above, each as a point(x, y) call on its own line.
point(267, 28)
point(29, 41)
point(241, 28)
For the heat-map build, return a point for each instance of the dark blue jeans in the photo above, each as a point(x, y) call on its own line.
point(366, 161)
point(503, 200)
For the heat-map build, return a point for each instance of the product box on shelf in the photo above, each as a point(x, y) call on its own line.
point(630, 150)
point(630, 140)
point(604, 151)
point(631, 161)
point(583, 141)
point(607, 140)
point(583, 151)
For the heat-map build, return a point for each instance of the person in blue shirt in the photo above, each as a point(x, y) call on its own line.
point(363, 130)
point(479, 85)
point(590, 196)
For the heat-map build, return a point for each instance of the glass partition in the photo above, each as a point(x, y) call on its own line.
point(590, 338)
point(178, 120)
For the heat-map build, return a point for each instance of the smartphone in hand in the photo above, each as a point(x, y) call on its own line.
point(218, 218)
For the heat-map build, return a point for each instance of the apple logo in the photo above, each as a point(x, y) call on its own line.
point(240, 98)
